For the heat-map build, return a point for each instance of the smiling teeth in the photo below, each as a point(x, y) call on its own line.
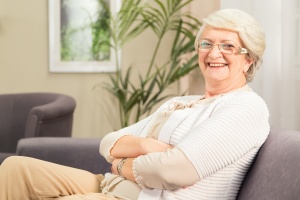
point(216, 65)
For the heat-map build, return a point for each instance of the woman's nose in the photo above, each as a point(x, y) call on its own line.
point(215, 52)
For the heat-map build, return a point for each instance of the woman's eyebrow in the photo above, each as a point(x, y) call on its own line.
point(222, 41)
point(206, 39)
point(226, 40)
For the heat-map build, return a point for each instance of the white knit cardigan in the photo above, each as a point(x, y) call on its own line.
point(220, 137)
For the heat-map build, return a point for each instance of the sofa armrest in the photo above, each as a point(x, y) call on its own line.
point(82, 153)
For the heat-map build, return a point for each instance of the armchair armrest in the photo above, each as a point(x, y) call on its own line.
point(82, 153)
point(62, 105)
point(52, 119)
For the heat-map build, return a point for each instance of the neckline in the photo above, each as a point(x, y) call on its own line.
point(243, 88)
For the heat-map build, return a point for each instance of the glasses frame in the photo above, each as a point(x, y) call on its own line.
point(239, 50)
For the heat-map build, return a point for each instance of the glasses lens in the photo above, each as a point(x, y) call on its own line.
point(227, 48)
point(205, 45)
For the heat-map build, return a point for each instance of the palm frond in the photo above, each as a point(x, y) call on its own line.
point(162, 17)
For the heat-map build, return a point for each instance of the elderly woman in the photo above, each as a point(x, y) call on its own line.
point(192, 147)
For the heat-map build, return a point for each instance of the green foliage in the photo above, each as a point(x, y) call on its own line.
point(100, 45)
point(136, 100)
point(96, 48)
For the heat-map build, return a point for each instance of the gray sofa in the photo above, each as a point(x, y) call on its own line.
point(274, 175)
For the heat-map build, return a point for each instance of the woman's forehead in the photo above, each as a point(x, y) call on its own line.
point(220, 34)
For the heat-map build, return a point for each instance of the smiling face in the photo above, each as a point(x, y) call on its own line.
point(222, 72)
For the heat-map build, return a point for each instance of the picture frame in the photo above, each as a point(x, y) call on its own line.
point(72, 37)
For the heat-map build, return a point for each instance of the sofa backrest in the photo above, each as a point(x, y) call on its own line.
point(275, 172)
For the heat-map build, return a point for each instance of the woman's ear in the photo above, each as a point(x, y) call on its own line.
point(247, 65)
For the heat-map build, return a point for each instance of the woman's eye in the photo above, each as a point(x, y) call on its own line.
point(227, 46)
point(206, 44)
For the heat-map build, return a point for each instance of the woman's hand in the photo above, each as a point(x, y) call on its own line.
point(114, 166)
point(132, 146)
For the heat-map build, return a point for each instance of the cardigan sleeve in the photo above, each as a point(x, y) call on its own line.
point(168, 170)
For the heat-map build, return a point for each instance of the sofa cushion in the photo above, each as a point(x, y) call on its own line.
point(82, 153)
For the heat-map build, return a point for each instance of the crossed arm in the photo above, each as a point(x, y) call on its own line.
point(131, 147)
point(150, 163)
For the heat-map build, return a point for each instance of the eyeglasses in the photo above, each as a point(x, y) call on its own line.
point(227, 48)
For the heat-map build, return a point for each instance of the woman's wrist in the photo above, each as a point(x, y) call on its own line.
point(120, 166)
point(123, 167)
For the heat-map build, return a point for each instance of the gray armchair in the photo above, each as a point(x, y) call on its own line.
point(33, 115)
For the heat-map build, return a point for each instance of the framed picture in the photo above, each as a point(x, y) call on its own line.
point(78, 38)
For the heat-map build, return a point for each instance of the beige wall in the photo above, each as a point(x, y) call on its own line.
point(194, 83)
point(24, 64)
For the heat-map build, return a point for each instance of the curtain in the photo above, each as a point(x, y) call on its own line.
point(278, 79)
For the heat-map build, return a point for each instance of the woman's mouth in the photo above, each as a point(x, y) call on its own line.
point(217, 64)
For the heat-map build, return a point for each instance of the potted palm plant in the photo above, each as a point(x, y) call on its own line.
point(162, 17)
